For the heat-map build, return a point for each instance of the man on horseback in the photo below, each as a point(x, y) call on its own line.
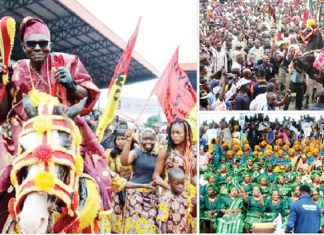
point(312, 36)
point(45, 75)
point(314, 45)
point(57, 74)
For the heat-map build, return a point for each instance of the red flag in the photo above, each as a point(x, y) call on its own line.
point(308, 11)
point(297, 2)
point(271, 11)
point(124, 61)
point(116, 85)
point(174, 91)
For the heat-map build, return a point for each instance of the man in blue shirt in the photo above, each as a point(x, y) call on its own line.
point(305, 214)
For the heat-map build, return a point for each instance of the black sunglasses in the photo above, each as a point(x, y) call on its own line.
point(41, 44)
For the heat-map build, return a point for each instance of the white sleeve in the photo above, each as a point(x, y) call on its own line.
point(253, 105)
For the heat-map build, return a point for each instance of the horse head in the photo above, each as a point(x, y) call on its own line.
point(313, 37)
point(47, 171)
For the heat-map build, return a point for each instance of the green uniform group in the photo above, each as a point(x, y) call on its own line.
point(242, 186)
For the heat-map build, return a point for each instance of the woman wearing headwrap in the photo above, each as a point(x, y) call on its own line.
point(290, 175)
point(264, 186)
point(118, 200)
point(178, 154)
point(316, 181)
point(282, 186)
point(314, 157)
point(247, 183)
point(141, 203)
point(273, 207)
point(203, 189)
point(209, 207)
point(292, 156)
point(221, 176)
point(254, 206)
point(232, 219)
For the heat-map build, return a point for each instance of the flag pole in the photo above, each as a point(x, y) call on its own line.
point(116, 84)
point(143, 108)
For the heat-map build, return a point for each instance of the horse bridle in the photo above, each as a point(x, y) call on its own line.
point(62, 188)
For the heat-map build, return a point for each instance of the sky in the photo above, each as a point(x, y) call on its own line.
point(165, 25)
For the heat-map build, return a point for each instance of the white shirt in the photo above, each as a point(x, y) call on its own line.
point(229, 94)
point(220, 59)
point(227, 135)
point(218, 106)
point(211, 133)
point(258, 103)
point(236, 65)
point(258, 53)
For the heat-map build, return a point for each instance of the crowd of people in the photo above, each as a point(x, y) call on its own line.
point(248, 53)
point(251, 171)
point(151, 176)
point(146, 160)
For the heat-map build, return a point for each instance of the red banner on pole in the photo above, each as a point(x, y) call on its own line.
point(116, 85)
point(174, 91)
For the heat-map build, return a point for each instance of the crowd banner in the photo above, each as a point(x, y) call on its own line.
point(176, 95)
point(116, 85)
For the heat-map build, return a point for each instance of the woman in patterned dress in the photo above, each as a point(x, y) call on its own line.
point(140, 209)
point(231, 221)
point(113, 158)
point(179, 153)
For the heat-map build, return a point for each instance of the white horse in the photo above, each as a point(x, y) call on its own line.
point(52, 193)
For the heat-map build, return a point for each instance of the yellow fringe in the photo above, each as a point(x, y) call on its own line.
point(91, 207)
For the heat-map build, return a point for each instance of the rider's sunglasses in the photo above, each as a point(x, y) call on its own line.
point(41, 44)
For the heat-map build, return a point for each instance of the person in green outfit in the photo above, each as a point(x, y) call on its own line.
point(316, 180)
point(209, 207)
point(273, 207)
point(203, 189)
point(247, 183)
point(249, 164)
point(319, 199)
point(232, 220)
point(271, 176)
point(290, 200)
point(254, 206)
point(221, 177)
point(290, 175)
point(256, 172)
point(264, 186)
